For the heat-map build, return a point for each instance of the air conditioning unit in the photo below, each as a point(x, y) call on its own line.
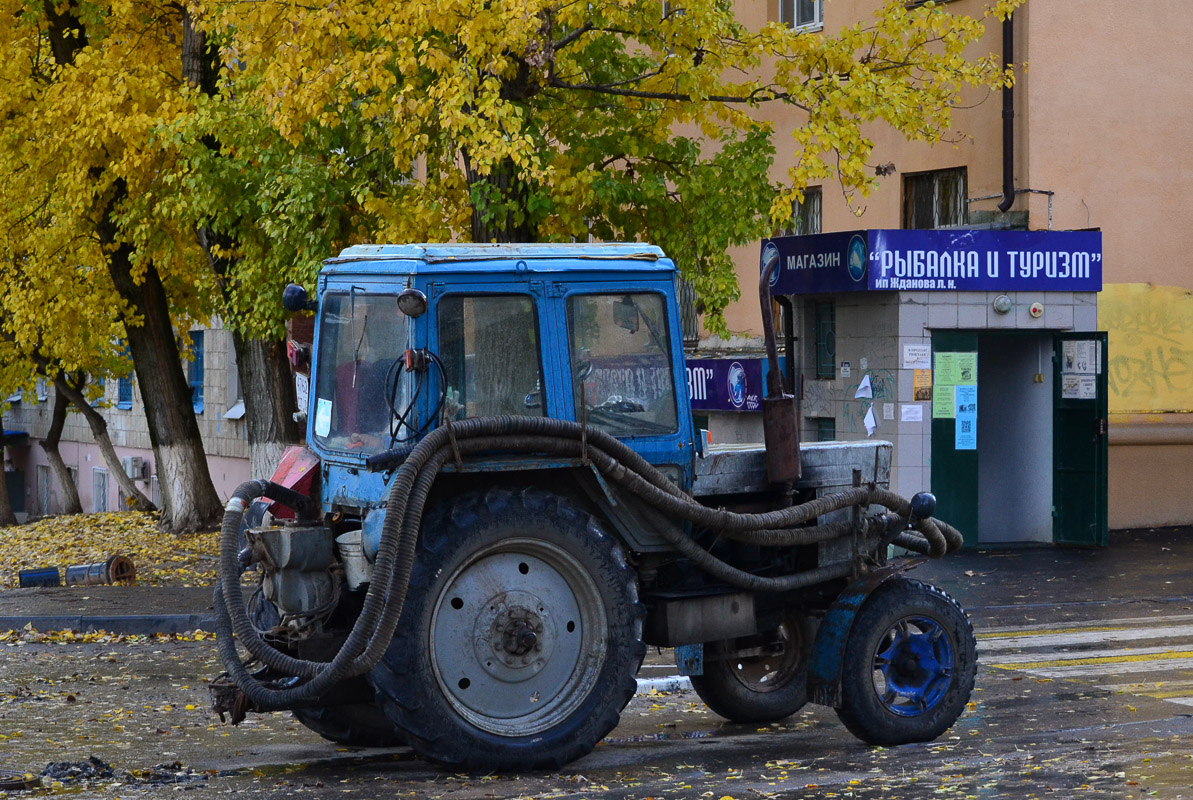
point(134, 467)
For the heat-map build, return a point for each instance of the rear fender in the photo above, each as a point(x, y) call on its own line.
point(824, 669)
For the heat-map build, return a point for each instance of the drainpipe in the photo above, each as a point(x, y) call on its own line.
point(1008, 120)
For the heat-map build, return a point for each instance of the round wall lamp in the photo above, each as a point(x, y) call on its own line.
point(1002, 304)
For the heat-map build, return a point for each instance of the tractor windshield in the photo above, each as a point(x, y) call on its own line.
point(361, 388)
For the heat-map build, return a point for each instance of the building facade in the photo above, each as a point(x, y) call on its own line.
point(1097, 116)
point(219, 408)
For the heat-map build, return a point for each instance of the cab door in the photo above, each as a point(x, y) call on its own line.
point(618, 353)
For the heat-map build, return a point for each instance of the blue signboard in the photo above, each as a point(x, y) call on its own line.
point(949, 260)
point(725, 384)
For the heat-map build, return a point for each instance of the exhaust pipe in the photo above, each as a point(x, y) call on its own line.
point(780, 416)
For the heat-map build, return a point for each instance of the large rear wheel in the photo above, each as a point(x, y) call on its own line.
point(521, 635)
point(909, 665)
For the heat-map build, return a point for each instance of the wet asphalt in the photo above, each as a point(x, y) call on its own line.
point(1084, 689)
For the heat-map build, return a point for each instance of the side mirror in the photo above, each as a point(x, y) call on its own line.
point(295, 298)
point(625, 315)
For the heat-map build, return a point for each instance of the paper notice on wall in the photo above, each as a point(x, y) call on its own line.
point(943, 406)
point(911, 412)
point(917, 356)
point(871, 423)
point(967, 368)
point(921, 383)
point(967, 418)
point(864, 390)
point(888, 411)
point(322, 416)
point(1080, 358)
point(1078, 387)
point(846, 369)
point(947, 370)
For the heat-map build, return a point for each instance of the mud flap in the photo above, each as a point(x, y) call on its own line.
point(824, 670)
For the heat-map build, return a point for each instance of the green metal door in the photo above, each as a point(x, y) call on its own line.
point(954, 471)
point(1079, 439)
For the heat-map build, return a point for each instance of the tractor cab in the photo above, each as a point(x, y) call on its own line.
point(411, 337)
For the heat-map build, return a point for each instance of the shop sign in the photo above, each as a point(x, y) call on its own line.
point(936, 260)
point(725, 384)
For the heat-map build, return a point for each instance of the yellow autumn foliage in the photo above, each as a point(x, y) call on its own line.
point(161, 559)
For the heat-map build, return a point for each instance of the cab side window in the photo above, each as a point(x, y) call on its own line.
point(620, 358)
point(489, 347)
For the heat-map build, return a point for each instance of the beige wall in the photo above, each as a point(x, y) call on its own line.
point(1109, 97)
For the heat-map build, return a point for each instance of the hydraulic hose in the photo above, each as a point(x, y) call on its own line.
point(417, 469)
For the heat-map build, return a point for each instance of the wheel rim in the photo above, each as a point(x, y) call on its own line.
point(515, 662)
point(768, 673)
point(913, 666)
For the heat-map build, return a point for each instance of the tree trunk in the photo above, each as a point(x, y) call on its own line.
point(499, 204)
point(188, 495)
point(7, 517)
point(99, 431)
point(269, 401)
point(70, 493)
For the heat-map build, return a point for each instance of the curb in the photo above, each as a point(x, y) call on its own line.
point(672, 683)
point(130, 624)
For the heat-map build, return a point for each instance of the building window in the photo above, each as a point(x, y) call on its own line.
point(801, 13)
point(826, 429)
point(99, 490)
point(826, 339)
point(194, 372)
point(233, 396)
point(124, 393)
point(805, 214)
point(101, 386)
point(936, 199)
point(43, 490)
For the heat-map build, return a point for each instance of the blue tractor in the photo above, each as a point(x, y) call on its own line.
point(502, 503)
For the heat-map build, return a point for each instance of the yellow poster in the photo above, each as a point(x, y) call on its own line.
point(921, 382)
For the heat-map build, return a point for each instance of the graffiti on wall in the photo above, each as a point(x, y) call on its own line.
point(1150, 368)
point(832, 399)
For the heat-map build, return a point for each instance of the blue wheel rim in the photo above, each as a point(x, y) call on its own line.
point(913, 666)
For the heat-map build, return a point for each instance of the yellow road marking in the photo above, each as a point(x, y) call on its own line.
point(1050, 632)
point(1087, 662)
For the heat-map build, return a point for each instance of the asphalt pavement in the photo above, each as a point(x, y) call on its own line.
point(997, 587)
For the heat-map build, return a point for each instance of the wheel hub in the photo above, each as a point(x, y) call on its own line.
point(511, 661)
point(514, 636)
point(913, 668)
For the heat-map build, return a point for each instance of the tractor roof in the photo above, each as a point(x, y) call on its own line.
point(498, 258)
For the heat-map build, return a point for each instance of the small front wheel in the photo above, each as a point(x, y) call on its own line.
point(909, 665)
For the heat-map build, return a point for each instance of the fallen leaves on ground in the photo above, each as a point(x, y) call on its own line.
point(30, 635)
point(161, 559)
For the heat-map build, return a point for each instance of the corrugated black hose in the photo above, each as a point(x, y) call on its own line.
point(417, 470)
